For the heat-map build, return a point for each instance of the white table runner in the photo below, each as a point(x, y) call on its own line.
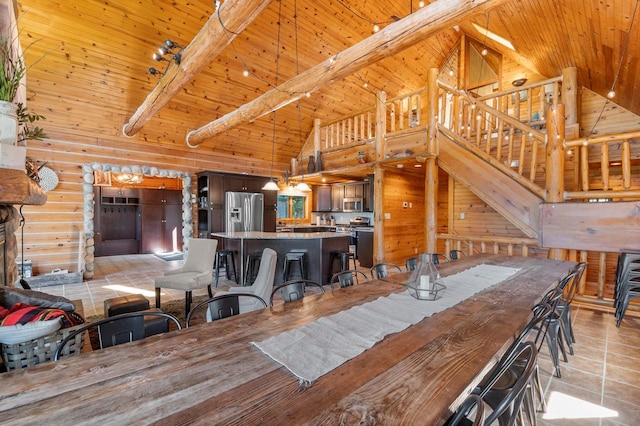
point(318, 347)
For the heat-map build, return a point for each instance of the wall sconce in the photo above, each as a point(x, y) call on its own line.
point(167, 49)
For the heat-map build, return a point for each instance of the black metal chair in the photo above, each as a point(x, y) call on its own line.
point(222, 306)
point(117, 329)
point(564, 304)
point(294, 289)
point(437, 258)
point(411, 263)
point(460, 417)
point(456, 254)
point(507, 406)
point(348, 278)
point(381, 270)
point(627, 284)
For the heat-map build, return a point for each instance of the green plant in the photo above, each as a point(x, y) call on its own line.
point(27, 132)
point(12, 71)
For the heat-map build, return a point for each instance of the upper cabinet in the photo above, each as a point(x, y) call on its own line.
point(337, 196)
point(354, 190)
point(322, 198)
point(243, 183)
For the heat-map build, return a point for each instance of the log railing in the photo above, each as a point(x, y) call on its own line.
point(502, 137)
point(596, 286)
point(348, 131)
point(406, 111)
point(607, 166)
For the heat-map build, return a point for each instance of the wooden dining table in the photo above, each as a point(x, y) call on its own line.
point(212, 374)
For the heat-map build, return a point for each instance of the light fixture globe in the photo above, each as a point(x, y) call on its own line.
point(303, 187)
point(271, 186)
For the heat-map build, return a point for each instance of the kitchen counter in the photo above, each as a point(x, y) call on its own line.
point(317, 246)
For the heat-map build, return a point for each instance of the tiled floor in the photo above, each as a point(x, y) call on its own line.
point(600, 384)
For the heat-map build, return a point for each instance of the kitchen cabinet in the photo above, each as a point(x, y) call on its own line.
point(243, 183)
point(210, 189)
point(364, 248)
point(322, 198)
point(353, 190)
point(337, 196)
point(161, 220)
point(270, 214)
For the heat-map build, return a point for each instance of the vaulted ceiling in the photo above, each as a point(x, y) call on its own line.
point(94, 76)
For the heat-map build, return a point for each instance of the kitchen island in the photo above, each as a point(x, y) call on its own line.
point(317, 246)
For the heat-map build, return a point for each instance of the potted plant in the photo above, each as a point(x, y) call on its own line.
point(16, 123)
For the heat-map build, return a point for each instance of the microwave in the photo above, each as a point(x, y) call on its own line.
point(352, 205)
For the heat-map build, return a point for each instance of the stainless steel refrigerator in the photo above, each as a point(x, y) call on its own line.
point(243, 211)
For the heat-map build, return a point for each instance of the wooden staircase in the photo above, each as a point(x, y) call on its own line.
point(491, 183)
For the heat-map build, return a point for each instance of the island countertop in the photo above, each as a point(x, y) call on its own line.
point(255, 235)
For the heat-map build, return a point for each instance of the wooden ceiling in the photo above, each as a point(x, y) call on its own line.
point(94, 76)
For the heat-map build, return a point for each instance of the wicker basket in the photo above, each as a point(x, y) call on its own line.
point(42, 349)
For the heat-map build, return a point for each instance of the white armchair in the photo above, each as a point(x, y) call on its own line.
point(197, 271)
point(262, 286)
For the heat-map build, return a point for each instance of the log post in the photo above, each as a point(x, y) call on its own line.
point(378, 180)
point(555, 154)
point(431, 171)
point(570, 94)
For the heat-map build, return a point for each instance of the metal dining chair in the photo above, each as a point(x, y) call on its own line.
point(294, 290)
point(223, 306)
point(348, 278)
point(411, 263)
point(381, 270)
point(117, 329)
point(456, 254)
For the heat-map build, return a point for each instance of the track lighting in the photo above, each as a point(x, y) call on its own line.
point(167, 49)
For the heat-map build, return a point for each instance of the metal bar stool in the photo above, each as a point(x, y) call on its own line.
point(344, 257)
point(222, 260)
point(252, 267)
point(294, 257)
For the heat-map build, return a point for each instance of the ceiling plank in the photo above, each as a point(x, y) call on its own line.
point(231, 18)
point(396, 37)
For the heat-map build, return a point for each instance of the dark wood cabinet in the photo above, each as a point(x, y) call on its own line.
point(161, 219)
point(270, 214)
point(211, 189)
point(337, 196)
point(242, 183)
point(364, 248)
point(322, 198)
point(116, 221)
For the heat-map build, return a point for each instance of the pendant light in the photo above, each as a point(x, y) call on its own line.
point(272, 185)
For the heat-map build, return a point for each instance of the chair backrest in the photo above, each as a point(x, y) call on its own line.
point(348, 278)
point(572, 287)
point(117, 329)
point(223, 306)
point(200, 255)
point(381, 270)
point(411, 263)
point(513, 399)
point(437, 258)
point(456, 254)
point(294, 289)
point(460, 416)
point(263, 285)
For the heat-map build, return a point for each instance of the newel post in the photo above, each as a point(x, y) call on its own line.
point(378, 180)
point(555, 154)
point(431, 166)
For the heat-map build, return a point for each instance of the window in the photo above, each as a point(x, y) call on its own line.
point(291, 206)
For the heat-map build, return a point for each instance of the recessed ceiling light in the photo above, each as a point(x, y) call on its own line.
point(417, 166)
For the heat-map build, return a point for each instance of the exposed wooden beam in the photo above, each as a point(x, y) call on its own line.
point(235, 15)
point(394, 38)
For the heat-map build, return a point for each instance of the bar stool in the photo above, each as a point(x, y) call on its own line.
point(222, 258)
point(252, 267)
point(294, 257)
point(344, 257)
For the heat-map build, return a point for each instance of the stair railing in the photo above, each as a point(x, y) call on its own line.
point(502, 137)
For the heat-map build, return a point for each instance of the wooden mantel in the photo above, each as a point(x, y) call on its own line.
point(17, 188)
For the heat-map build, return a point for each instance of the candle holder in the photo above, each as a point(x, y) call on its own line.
point(425, 283)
